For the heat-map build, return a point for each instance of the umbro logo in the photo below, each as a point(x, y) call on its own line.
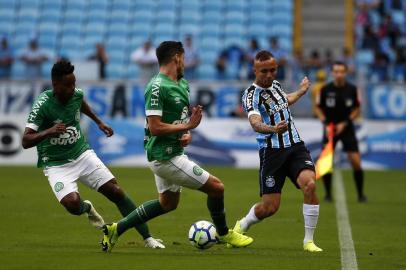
point(309, 162)
point(177, 100)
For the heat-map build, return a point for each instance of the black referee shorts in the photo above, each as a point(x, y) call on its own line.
point(347, 137)
point(277, 164)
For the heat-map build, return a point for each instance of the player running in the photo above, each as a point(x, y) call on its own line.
point(282, 153)
point(64, 154)
point(166, 134)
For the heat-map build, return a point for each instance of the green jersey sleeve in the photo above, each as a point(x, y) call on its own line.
point(154, 97)
point(36, 116)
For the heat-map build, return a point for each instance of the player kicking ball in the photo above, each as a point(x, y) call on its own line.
point(54, 128)
point(167, 133)
point(282, 152)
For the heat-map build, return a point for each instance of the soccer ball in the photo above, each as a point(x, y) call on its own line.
point(202, 234)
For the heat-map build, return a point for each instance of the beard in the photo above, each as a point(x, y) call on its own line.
point(180, 73)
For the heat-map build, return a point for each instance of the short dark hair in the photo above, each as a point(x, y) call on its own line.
point(167, 49)
point(339, 63)
point(263, 56)
point(61, 69)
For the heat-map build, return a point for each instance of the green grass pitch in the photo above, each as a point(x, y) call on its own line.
point(37, 233)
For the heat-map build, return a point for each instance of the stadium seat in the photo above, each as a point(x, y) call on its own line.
point(18, 70)
point(165, 16)
point(144, 5)
point(6, 28)
point(207, 71)
point(119, 16)
point(72, 28)
point(8, 4)
point(94, 28)
point(115, 71)
point(364, 57)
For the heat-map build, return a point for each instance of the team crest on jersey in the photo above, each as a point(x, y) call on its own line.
point(77, 116)
point(58, 186)
point(169, 150)
point(177, 100)
point(197, 170)
point(270, 181)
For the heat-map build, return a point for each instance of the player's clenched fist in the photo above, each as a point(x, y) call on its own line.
point(281, 127)
point(196, 117)
point(305, 84)
point(57, 129)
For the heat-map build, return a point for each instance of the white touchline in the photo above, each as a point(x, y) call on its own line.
point(348, 256)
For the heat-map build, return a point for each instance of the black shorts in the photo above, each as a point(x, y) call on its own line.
point(277, 164)
point(347, 137)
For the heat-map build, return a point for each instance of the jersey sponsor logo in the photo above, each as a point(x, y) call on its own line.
point(34, 112)
point(270, 181)
point(155, 92)
point(71, 136)
point(197, 170)
point(58, 186)
point(249, 100)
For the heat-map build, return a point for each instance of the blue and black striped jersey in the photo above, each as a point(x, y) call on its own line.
point(272, 105)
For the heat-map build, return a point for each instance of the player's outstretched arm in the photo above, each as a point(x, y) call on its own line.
point(159, 128)
point(85, 108)
point(260, 127)
point(31, 137)
point(303, 87)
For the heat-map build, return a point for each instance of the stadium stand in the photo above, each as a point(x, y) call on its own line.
point(72, 28)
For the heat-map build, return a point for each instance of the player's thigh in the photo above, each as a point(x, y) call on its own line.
point(169, 200)
point(272, 171)
point(179, 171)
point(93, 172)
point(300, 161)
point(62, 179)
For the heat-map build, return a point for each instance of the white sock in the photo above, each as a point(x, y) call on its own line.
point(310, 214)
point(249, 219)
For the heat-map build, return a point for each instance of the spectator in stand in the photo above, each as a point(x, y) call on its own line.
point(380, 66)
point(370, 39)
point(145, 57)
point(328, 59)
point(229, 63)
point(6, 59)
point(347, 59)
point(389, 29)
point(298, 65)
point(34, 57)
point(101, 57)
point(191, 59)
point(314, 63)
point(400, 65)
point(280, 55)
point(253, 49)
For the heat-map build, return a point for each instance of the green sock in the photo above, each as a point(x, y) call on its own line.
point(84, 207)
point(141, 214)
point(216, 208)
point(126, 206)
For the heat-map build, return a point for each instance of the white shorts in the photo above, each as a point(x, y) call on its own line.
point(176, 173)
point(87, 168)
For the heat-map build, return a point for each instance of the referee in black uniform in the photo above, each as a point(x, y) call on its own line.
point(338, 103)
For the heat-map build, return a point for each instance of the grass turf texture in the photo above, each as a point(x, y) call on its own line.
point(39, 234)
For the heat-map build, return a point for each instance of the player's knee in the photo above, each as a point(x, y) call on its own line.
point(310, 187)
point(267, 210)
point(169, 206)
point(72, 206)
point(218, 190)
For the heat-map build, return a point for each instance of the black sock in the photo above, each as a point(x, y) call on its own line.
point(216, 208)
point(327, 184)
point(359, 182)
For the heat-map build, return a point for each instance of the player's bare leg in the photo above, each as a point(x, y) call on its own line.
point(214, 189)
point(112, 191)
point(358, 173)
point(306, 181)
point(74, 205)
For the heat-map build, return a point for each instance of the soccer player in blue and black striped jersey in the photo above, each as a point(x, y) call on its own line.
point(281, 150)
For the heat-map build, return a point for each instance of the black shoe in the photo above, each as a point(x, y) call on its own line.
point(328, 199)
point(362, 199)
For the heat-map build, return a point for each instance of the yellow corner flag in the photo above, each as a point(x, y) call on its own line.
point(324, 164)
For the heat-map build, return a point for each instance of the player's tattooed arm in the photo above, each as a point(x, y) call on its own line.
point(85, 108)
point(31, 137)
point(303, 87)
point(260, 127)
